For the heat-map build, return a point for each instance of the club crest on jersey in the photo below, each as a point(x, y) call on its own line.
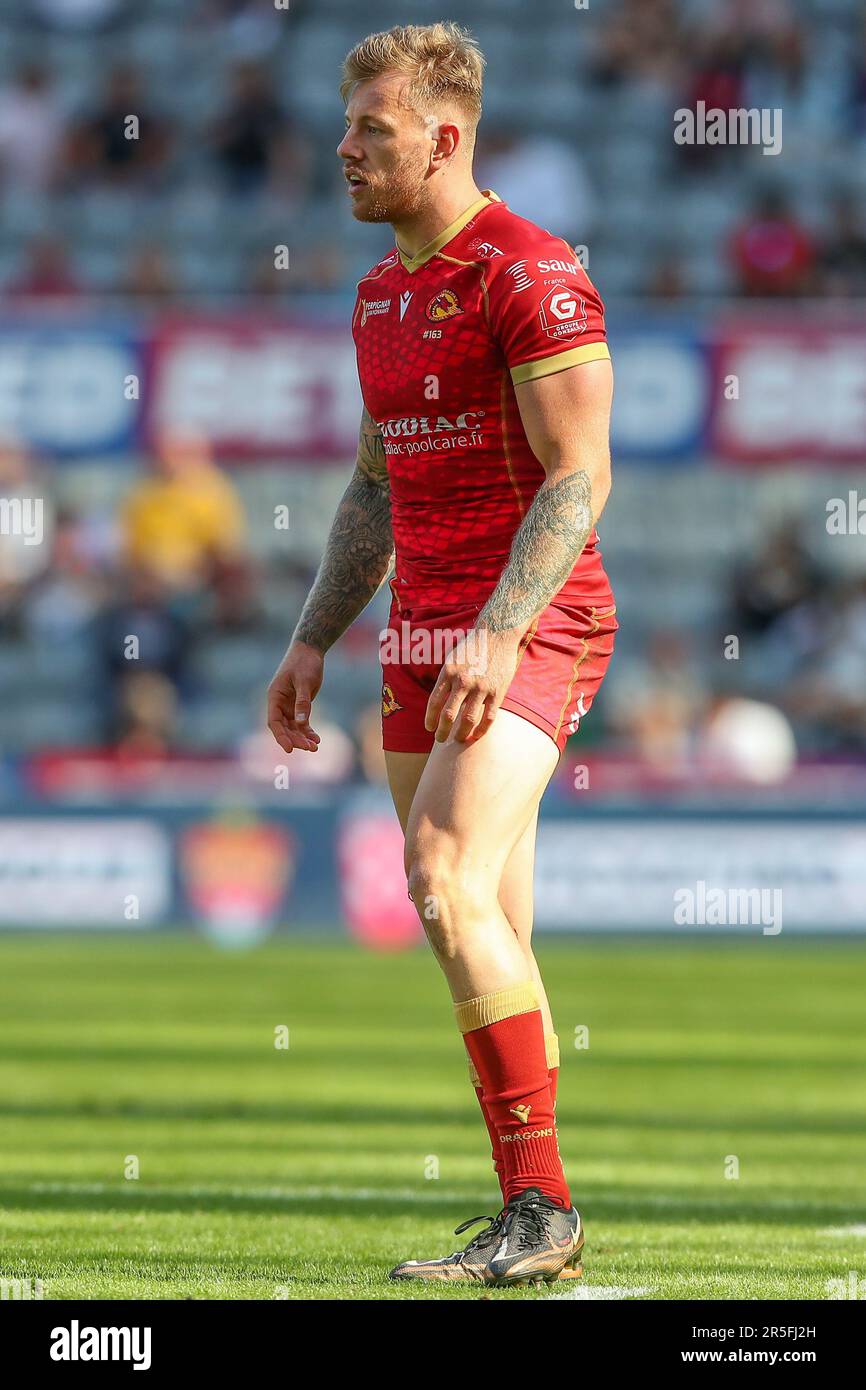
point(389, 703)
point(443, 305)
point(562, 313)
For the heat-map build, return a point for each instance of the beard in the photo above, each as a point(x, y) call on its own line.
point(391, 199)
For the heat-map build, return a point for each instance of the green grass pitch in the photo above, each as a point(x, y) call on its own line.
point(307, 1172)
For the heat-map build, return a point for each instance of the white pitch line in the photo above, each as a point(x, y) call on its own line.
point(843, 1231)
point(590, 1293)
point(264, 1194)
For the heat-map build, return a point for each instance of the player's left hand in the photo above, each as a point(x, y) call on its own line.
point(471, 686)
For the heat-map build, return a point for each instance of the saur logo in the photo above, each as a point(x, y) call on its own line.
point(443, 305)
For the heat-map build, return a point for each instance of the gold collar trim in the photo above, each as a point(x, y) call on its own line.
point(427, 252)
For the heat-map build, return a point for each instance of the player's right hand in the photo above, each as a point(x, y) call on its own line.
point(291, 693)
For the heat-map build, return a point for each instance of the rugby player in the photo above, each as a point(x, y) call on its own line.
point(482, 467)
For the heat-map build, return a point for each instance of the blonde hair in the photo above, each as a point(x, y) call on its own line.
point(442, 60)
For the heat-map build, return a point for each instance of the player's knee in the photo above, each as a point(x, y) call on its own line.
point(449, 898)
point(430, 886)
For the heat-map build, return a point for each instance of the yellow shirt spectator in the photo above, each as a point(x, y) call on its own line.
point(181, 518)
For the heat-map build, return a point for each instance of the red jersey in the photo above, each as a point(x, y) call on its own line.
point(441, 341)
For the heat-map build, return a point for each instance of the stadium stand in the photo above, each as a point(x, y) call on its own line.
point(239, 126)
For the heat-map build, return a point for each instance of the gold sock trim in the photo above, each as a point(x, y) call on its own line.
point(551, 1047)
point(492, 1008)
point(473, 1073)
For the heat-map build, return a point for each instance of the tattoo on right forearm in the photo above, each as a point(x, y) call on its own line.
point(359, 550)
point(371, 452)
point(546, 545)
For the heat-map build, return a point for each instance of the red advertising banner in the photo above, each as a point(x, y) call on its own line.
point(256, 387)
point(789, 393)
point(376, 905)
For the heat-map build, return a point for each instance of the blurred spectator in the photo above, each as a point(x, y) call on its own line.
point(776, 580)
point(843, 255)
point(249, 28)
point(756, 26)
point(267, 278)
point(64, 601)
point(253, 135)
point(717, 80)
point(45, 273)
point(325, 268)
point(320, 270)
point(756, 55)
point(149, 274)
point(234, 604)
point(106, 148)
point(368, 736)
point(262, 759)
point(657, 702)
point(779, 72)
point(829, 691)
point(147, 715)
point(79, 16)
point(31, 130)
point(772, 253)
point(745, 741)
point(666, 279)
point(185, 518)
point(530, 172)
point(856, 83)
point(138, 632)
point(641, 45)
point(290, 166)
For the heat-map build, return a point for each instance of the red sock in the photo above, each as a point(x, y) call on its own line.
point(552, 1048)
point(496, 1147)
point(504, 1036)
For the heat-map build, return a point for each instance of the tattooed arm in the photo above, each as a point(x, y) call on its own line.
point(566, 418)
point(356, 561)
point(358, 553)
point(543, 553)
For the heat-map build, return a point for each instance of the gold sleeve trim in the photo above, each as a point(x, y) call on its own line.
point(492, 1008)
point(546, 366)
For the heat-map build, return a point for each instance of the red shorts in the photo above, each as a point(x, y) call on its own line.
point(564, 656)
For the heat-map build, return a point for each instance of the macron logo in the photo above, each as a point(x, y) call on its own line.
point(405, 300)
point(77, 1343)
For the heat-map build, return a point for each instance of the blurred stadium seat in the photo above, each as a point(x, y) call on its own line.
point(678, 527)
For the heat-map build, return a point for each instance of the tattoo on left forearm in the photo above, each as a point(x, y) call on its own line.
point(545, 548)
